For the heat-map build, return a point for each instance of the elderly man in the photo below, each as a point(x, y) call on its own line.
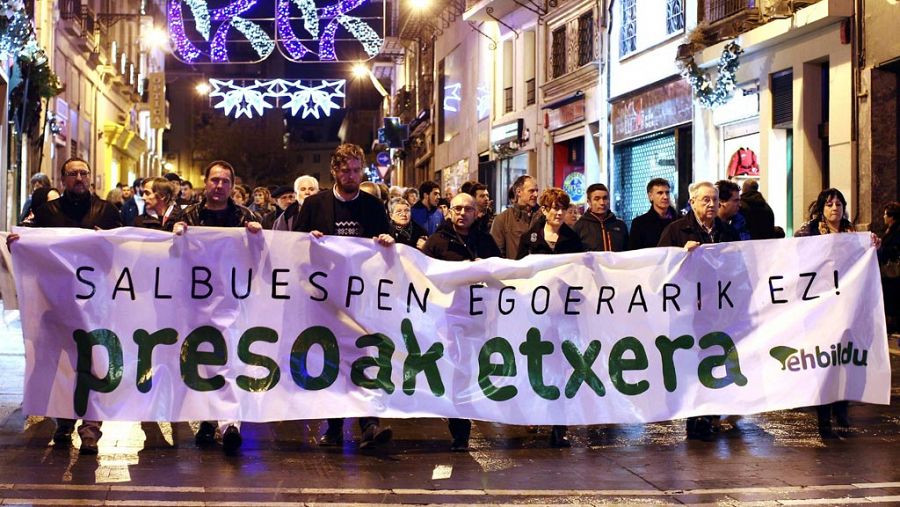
point(458, 240)
point(346, 211)
point(217, 209)
point(285, 197)
point(77, 207)
point(699, 227)
point(509, 226)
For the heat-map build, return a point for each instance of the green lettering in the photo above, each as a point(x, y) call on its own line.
point(729, 360)
point(618, 365)
point(535, 350)
point(582, 364)
point(86, 381)
point(250, 336)
point(145, 342)
point(316, 335)
point(192, 358)
point(487, 369)
point(416, 362)
point(667, 350)
point(382, 362)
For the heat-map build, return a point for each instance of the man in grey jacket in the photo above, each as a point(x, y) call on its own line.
point(509, 226)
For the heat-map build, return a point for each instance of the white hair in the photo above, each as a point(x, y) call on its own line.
point(694, 189)
point(306, 178)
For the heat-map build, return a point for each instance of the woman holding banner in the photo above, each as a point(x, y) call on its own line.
point(550, 235)
point(828, 215)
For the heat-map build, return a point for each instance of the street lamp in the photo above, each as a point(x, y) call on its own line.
point(420, 5)
point(203, 88)
point(361, 70)
point(156, 38)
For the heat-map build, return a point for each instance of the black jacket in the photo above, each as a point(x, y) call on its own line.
point(285, 221)
point(87, 213)
point(758, 215)
point(647, 228)
point(446, 244)
point(152, 222)
point(408, 235)
point(602, 235)
point(687, 228)
point(317, 214)
point(129, 211)
point(238, 216)
point(533, 242)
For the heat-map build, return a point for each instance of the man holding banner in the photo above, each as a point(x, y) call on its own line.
point(77, 207)
point(699, 227)
point(346, 211)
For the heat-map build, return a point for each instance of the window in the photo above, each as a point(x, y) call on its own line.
point(508, 100)
point(508, 73)
point(529, 68)
point(628, 42)
point(530, 95)
point(674, 16)
point(558, 52)
point(585, 38)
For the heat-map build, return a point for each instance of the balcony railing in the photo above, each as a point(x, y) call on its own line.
point(717, 10)
point(70, 9)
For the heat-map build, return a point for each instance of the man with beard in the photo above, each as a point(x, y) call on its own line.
point(346, 211)
point(77, 207)
point(699, 227)
point(217, 209)
point(509, 226)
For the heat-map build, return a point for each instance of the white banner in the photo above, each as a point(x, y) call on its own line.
point(224, 324)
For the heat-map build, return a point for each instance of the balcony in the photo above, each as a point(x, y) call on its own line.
point(70, 17)
point(729, 18)
point(90, 34)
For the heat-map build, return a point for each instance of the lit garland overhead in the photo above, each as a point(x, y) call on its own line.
point(707, 94)
point(15, 28)
point(326, 31)
point(308, 97)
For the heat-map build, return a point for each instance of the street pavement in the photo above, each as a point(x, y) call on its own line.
point(768, 459)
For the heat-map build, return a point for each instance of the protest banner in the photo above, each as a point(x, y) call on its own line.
point(134, 324)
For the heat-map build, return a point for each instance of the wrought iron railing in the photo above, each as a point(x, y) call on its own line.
point(717, 10)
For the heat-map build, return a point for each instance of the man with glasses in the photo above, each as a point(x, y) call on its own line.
point(345, 211)
point(699, 227)
point(77, 207)
point(458, 240)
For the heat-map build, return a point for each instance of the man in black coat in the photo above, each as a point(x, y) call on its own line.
point(646, 229)
point(458, 240)
point(77, 207)
point(699, 227)
point(345, 211)
point(599, 229)
point(757, 212)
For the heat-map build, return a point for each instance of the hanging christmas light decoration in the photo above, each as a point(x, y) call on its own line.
point(483, 101)
point(308, 97)
point(452, 97)
point(207, 31)
point(707, 94)
point(15, 28)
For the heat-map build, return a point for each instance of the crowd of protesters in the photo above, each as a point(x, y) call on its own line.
point(460, 227)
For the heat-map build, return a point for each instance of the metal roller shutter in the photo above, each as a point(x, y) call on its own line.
point(637, 162)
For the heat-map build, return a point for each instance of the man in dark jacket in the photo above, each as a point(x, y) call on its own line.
point(217, 209)
point(599, 229)
point(284, 197)
point(699, 227)
point(427, 213)
point(130, 208)
point(757, 212)
point(458, 240)
point(509, 225)
point(77, 207)
point(345, 211)
point(646, 229)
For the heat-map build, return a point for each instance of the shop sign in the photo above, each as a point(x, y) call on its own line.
point(507, 132)
point(574, 185)
point(157, 96)
point(657, 109)
point(565, 115)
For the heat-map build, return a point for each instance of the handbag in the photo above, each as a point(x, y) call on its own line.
point(890, 269)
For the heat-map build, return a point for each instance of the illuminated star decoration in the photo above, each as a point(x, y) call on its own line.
point(452, 97)
point(483, 101)
point(314, 98)
point(309, 97)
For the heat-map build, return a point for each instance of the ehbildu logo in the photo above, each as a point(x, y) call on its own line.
point(839, 355)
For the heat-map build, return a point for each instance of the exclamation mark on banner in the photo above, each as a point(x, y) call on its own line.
point(836, 287)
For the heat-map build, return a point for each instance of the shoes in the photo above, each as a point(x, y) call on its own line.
point(88, 446)
point(331, 440)
point(558, 438)
point(374, 436)
point(231, 440)
point(459, 445)
point(62, 438)
point(699, 428)
point(206, 434)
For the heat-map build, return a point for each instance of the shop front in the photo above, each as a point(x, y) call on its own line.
point(651, 137)
point(575, 152)
point(507, 141)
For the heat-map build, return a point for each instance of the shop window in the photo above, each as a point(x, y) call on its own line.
point(674, 16)
point(585, 38)
point(639, 161)
point(559, 52)
point(628, 38)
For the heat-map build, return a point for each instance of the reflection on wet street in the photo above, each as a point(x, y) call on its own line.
point(776, 458)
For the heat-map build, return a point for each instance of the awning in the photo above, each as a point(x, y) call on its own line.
point(124, 139)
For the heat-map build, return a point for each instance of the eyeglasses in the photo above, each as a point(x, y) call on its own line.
point(75, 174)
point(463, 209)
point(401, 212)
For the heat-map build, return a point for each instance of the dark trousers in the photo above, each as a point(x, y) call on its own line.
point(336, 425)
point(459, 428)
point(839, 410)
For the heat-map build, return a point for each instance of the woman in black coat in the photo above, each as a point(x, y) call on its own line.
point(403, 228)
point(550, 235)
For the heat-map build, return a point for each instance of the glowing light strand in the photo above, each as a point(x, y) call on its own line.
point(296, 50)
point(452, 97)
point(369, 39)
point(183, 46)
point(259, 39)
point(200, 11)
point(303, 96)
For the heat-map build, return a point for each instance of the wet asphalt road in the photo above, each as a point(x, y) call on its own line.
point(776, 458)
